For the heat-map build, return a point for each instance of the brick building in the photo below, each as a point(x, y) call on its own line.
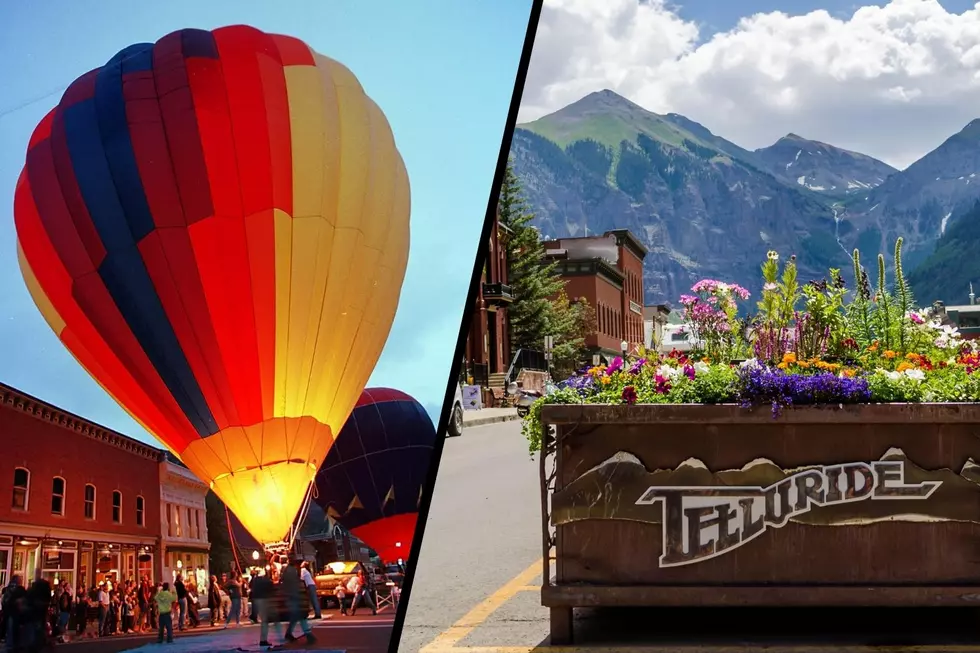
point(184, 542)
point(488, 342)
point(607, 272)
point(78, 501)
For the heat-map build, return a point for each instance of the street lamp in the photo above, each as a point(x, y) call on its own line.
point(179, 564)
point(625, 347)
point(255, 555)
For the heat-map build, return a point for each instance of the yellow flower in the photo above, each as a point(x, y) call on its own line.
point(803, 364)
point(904, 365)
point(789, 357)
point(782, 366)
point(606, 380)
point(912, 356)
point(888, 353)
point(848, 373)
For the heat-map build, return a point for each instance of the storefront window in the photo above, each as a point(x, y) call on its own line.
point(107, 567)
point(145, 566)
point(58, 566)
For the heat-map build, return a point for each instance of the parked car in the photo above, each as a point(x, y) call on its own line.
point(455, 426)
point(677, 337)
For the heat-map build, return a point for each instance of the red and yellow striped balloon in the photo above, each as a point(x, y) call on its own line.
point(216, 226)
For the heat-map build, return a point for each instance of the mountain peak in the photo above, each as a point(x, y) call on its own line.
point(604, 99)
point(793, 137)
point(972, 130)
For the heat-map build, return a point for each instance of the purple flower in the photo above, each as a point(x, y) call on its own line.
point(614, 366)
point(637, 366)
point(759, 386)
point(689, 372)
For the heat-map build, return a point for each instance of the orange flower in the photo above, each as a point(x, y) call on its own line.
point(782, 366)
point(904, 365)
point(803, 364)
point(789, 357)
point(888, 353)
point(848, 372)
point(606, 380)
point(912, 356)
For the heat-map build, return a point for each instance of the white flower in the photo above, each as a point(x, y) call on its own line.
point(891, 376)
point(916, 374)
point(750, 364)
point(701, 367)
point(668, 372)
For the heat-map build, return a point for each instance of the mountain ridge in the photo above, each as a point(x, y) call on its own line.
point(705, 206)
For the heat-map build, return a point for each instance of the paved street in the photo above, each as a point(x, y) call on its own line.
point(359, 634)
point(476, 588)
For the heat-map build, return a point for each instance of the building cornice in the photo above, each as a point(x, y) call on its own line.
point(13, 398)
point(626, 238)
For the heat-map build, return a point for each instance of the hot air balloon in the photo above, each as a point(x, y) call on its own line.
point(216, 226)
point(371, 482)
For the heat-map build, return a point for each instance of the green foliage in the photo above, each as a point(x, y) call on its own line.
point(541, 307)
point(532, 278)
point(947, 271)
point(594, 156)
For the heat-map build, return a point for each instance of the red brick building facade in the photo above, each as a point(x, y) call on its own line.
point(488, 342)
point(607, 272)
point(79, 502)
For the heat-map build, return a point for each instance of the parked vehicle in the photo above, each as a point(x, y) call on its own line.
point(332, 574)
point(455, 426)
point(676, 337)
point(524, 400)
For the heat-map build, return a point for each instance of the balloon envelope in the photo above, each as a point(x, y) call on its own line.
point(216, 226)
point(371, 481)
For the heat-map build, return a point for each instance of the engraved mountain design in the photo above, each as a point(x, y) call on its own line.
point(610, 491)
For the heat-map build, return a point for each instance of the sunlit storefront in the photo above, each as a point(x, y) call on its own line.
point(190, 563)
point(75, 562)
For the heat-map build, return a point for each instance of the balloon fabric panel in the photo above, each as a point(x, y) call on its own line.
point(216, 226)
point(372, 479)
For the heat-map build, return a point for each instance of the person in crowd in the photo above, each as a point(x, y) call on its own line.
point(103, 599)
point(65, 602)
point(181, 593)
point(192, 604)
point(233, 588)
point(310, 584)
point(165, 599)
point(214, 600)
point(14, 608)
point(340, 594)
point(295, 595)
point(263, 592)
point(143, 604)
point(358, 587)
point(39, 602)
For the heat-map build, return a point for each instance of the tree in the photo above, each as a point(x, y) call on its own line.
point(222, 557)
point(541, 307)
point(571, 322)
point(533, 280)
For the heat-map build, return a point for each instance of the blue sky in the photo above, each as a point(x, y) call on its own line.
point(442, 71)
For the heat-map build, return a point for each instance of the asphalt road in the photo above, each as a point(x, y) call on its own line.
point(476, 587)
point(359, 634)
point(483, 530)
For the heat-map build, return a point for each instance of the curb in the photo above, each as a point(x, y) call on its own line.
point(483, 421)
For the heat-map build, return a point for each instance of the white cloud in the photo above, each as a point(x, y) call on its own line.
point(891, 81)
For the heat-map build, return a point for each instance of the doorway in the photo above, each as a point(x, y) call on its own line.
point(6, 556)
point(493, 365)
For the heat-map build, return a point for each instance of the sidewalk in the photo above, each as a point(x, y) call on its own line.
point(488, 416)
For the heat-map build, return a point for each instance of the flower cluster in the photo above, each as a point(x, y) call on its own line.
point(877, 347)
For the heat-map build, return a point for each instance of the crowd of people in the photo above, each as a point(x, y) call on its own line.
point(32, 616)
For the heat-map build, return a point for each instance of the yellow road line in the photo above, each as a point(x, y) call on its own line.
point(447, 640)
point(702, 648)
point(529, 588)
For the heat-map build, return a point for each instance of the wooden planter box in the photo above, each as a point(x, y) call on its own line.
point(882, 506)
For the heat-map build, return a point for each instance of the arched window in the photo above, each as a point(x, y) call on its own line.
point(116, 507)
point(140, 507)
point(57, 496)
point(22, 487)
point(89, 501)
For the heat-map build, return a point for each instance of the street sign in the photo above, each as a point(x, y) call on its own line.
point(595, 360)
point(549, 343)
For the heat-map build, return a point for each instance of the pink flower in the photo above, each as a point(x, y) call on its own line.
point(916, 318)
